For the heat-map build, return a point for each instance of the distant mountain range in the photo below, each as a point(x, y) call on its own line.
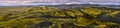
point(67, 6)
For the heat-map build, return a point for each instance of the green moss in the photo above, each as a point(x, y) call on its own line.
point(31, 17)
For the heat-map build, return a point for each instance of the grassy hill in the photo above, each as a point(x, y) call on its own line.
point(54, 17)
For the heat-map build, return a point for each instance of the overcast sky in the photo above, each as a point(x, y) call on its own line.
point(8, 2)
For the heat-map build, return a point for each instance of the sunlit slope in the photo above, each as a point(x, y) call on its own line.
point(51, 17)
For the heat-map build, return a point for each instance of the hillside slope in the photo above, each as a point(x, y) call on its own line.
point(53, 17)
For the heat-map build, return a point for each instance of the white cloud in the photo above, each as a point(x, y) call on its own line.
point(7, 2)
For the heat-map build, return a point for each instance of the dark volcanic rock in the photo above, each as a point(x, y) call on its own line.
point(108, 18)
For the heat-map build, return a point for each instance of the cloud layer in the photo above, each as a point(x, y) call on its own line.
point(9, 2)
